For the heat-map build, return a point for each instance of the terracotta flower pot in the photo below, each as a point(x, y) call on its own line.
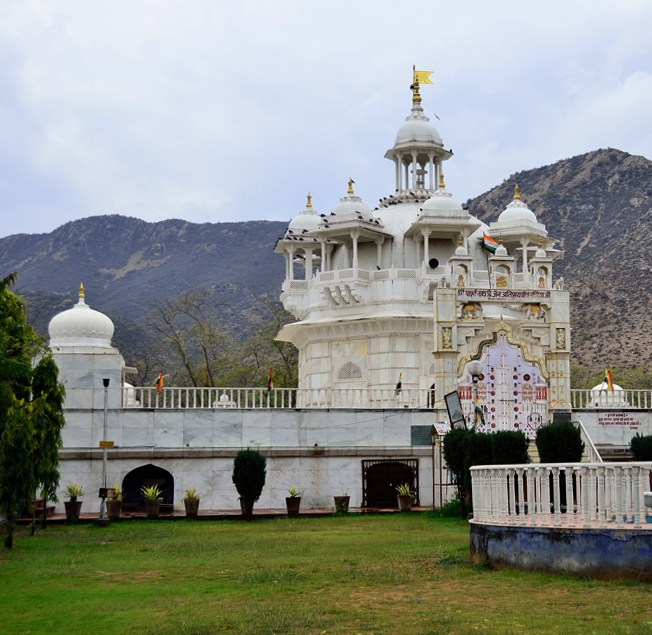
point(113, 508)
point(341, 503)
point(192, 507)
point(293, 503)
point(73, 509)
point(153, 507)
point(404, 503)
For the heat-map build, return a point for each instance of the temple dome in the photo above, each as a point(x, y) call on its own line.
point(517, 210)
point(307, 220)
point(417, 129)
point(81, 326)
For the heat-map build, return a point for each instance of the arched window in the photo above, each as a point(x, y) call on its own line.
point(350, 371)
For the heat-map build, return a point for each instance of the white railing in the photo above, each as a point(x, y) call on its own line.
point(190, 397)
point(621, 399)
point(589, 447)
point(554, 495)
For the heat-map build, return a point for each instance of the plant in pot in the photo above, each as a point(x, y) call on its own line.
point(293, 502)
point(191, 502)
point(114, 502)
point(153, 500)
point(73, 506)
point(342, 503)
point(249, 472)
point(405, 497)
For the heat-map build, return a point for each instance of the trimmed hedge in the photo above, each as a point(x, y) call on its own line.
point(249, 473)
point(559, 443)
point(509, 448)
point(641, 447)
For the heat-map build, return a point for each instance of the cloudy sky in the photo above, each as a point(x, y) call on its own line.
point(218, 111)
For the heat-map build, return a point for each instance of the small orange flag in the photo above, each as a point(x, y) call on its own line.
point(159, 383)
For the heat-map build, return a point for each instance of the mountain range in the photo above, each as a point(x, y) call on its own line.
point(599, 206)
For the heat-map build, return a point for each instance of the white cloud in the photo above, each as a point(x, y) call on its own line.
point(219, 111)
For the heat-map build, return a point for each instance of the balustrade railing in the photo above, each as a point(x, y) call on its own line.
point(191, 397)
point(554, 495)
point(621, 399)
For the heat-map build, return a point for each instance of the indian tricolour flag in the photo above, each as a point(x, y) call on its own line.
point(489, 243)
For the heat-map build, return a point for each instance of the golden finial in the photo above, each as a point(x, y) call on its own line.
point(460, 240)
point(442, 185)
point(81, 290)
point(414, 87)
point(500, 239)
point(517, 193)
point(540, 243)
point(350, 190)
point(309, 201)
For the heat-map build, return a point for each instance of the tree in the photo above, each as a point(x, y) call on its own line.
point(48, 395)
point(249, 472)
point(31, 410)
point(17, 475)
point(189, 326)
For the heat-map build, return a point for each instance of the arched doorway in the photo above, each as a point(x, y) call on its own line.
point(147, 475)
point(380, 478)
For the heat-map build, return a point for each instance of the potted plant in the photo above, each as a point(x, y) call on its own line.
point(249, 472)
point(293, 502)
point(405, 497)
point(114, 502)
point(191, 502)
point(153, 500)
point(342, 503)
point(73, 506)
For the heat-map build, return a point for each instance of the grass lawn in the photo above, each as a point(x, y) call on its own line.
point(400, 574)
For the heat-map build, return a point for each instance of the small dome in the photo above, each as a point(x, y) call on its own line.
point(351, 207)
point(81, 326)
point(442, 201)
point(541, 253)
point(307, 220)
point(501, 251)
point(517, 210)
point(417, 129)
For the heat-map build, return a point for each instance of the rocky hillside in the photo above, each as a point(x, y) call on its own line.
point(125, 263)
point(599, 206)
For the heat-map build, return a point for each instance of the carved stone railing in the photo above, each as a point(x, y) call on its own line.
point(605, 399)
point(554, 495)
point(190, 397)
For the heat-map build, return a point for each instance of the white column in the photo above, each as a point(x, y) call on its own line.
point(323, 255)
point(397, 171)
point(414, 169)
point(526, 275)
point(354, 238)
point(291, 253)
point(417, 242)
point(287, 264)
point(379, 252)
point(308, 263)
point(407, 178)
point(426, 244)
point(431, 168)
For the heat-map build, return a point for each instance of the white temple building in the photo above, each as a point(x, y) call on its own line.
point(392, 305)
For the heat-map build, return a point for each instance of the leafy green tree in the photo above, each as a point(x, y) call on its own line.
point(455, 452)
point(48, 395)
point(31, 410)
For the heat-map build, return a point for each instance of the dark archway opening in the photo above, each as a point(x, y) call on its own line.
point(380, 478)
point(147, 475)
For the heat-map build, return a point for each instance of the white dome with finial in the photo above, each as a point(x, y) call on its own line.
point(442, 202)
point(417, 129)
point(81, 326)
point(307, 220)
point(350, 207)
point(517, 210)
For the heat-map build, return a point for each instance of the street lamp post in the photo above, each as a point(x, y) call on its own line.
point(106, 383)
point(475, 370)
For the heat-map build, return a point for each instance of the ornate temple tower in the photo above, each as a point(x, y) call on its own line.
point(414, 289)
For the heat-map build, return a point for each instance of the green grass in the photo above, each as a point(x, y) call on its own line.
point(400, 574)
